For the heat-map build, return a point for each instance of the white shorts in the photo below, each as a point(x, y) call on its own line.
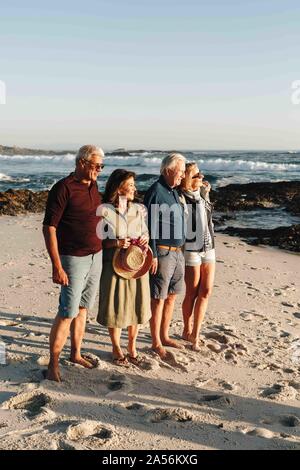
point(195, 258)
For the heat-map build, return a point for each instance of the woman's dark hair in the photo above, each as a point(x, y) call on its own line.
point(115, 182)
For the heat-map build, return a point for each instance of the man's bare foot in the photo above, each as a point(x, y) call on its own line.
point(172, 344)
point(186, 336)
point(82, 362)
point(162, 352)
point(53, 374)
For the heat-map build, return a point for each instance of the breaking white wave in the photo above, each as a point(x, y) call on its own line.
point(244, 165)
point(233, 180)
point(4, 177)
point(10, 179)
point(206, 164)
point(39, 158)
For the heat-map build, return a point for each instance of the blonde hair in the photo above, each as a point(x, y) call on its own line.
point(186, 182)
point(170, 161)
point(87, 151)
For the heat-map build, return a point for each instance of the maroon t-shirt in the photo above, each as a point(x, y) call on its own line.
point(71, 208)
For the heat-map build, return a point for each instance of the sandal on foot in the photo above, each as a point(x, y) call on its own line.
point(121, 361)
point(89, 359)
point(135, 360)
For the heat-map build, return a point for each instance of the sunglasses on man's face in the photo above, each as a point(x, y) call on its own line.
point(95, 166)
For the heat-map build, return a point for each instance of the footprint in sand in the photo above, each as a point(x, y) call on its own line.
point(171, 361)
point(216, 348)
point(247, 316)
point(32, 402)
point(175, 414)
point(228, 385)
point(219, 400)
point(135, 407)
point(288, 370)
point(240, 349)
point(288, 304)
point(295, 385)
point(148, 364)
point(297, 315)
point(45, 415)
point(119, 382)
point(260, 432)
point(201, 382)
point(227, 329)
point(218, 337)
point(279, 392)
point(230, 356)
point(84, 429)
point(290, 421)
point(176, 360)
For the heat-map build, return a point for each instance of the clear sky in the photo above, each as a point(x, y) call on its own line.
point(190, 74)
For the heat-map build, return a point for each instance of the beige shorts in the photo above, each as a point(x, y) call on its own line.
point(195, 258)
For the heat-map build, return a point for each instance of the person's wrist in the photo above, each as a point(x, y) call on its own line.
point(57, 267)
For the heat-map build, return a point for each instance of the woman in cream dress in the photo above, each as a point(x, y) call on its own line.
point(123, 303)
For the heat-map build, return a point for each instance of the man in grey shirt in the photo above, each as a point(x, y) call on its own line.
point(166, 226)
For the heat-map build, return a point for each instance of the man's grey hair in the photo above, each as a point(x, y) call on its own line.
point(170, 161)
point(86, 152)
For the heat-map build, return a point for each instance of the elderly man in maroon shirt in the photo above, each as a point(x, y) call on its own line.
point(69, 230)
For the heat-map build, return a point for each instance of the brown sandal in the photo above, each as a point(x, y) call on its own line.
point(135, 360)
point(121, 361)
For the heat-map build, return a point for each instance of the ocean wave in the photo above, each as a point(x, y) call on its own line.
point(244, 165)
point(233, 180)
point(10, 179)
point(4, 177)
point(210, 164)
point(39, 158)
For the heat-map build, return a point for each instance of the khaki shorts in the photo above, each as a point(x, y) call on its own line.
point(169, 278)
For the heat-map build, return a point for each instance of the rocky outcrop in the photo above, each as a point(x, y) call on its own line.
point(293, 205)
point(10, 151)
point(118, 153)
point(229, 198)
point(14, 202)
point(258, 195)
point(287, 238)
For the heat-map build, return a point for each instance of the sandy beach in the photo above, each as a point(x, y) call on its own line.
point(241, 391)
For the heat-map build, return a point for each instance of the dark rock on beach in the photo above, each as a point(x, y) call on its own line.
point(287, 238)
point(14, 202)
point(118, 152)
point(251, 196)
point(293, 205)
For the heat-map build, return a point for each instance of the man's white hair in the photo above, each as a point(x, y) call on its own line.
point(170, 161)
point(87, 151)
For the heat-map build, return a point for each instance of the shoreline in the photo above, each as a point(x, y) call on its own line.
point(227, 200)
point(241, 391)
